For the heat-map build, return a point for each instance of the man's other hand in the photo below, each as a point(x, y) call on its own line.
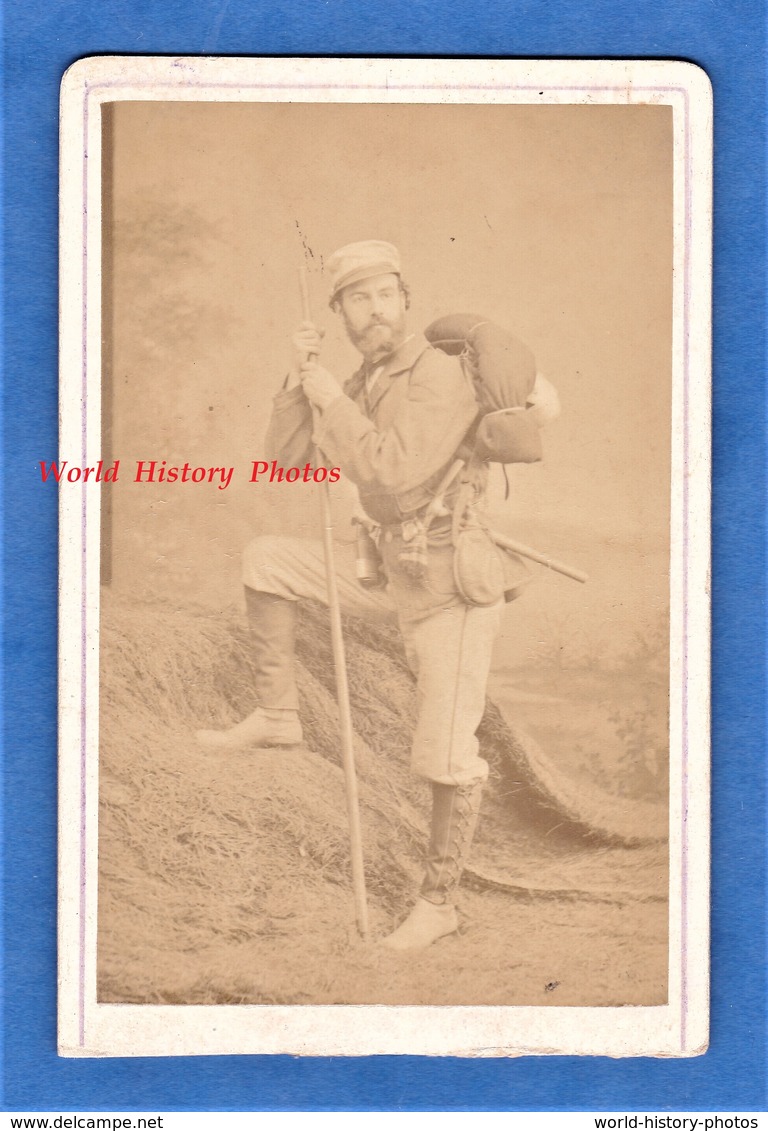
point(306, 342)
point(320, 386)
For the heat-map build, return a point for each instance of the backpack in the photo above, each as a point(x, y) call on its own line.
point(503, 374)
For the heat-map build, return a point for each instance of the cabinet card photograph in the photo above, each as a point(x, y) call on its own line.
point(384, 548)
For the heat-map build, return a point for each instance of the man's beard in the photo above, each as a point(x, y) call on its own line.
point(378, 340)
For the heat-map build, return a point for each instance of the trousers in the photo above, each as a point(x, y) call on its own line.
point(448, 643)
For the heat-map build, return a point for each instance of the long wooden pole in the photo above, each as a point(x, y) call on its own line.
point(342, 685)
point(536, 556)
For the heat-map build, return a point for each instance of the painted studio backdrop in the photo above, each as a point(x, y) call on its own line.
point(224, 880)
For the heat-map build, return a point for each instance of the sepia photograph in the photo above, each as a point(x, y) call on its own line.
point(384, 550)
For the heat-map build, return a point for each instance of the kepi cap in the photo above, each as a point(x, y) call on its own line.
point(362, 260)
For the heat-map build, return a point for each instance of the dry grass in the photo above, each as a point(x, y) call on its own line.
point(226, 878)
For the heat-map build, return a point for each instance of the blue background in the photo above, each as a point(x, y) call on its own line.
point(41, 38)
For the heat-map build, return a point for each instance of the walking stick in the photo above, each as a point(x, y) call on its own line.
point(342, 686)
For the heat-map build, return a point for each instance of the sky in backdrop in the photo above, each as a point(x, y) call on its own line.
point(556, 221)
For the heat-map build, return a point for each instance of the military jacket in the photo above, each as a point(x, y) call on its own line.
point(394, 441)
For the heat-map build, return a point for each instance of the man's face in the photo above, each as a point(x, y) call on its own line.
point(374, 315)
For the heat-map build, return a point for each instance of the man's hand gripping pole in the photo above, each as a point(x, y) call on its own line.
point(342, 686)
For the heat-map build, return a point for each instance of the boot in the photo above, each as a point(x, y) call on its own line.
point(260, 728)
point(454, 817)
point(275, 722)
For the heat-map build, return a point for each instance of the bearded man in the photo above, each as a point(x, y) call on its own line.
point(394, 430)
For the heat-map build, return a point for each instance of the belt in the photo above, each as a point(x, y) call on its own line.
point(410, 527)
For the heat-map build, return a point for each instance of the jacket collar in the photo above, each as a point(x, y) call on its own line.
point(404, 358)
